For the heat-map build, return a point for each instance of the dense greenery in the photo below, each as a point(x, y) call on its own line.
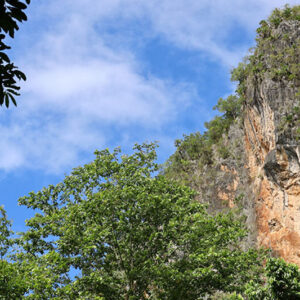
point(11, 13)
point(130, 235)
point(282, 282)
point(112, 230)
point(276, 56)
point(196, 150)
point(12, 283)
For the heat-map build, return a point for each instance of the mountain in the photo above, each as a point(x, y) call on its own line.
point(249, 157)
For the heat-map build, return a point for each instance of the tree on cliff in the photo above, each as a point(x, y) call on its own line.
point(11, 12)
point(130, 235)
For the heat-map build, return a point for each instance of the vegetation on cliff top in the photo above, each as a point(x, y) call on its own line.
point(276, 56)
point(277, 53)
point(195, 151)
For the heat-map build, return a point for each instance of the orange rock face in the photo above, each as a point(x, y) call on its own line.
point(262, 168)
point(274, 169)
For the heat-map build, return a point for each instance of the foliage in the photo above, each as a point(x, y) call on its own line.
point(5, 232)
point(233, 296)
point(192, 148)
point(11, 12)
point(231, 107)
point(291, 121)
point(288, 13)
point(283, 279)
point(276, 56)
point(280, 281)
point(268, 59)
point(12, 283)
point(195, 150)
point(240, 74)
point(130, 235)
point(283, 282)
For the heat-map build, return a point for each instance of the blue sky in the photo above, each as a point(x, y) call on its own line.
point(112, 73)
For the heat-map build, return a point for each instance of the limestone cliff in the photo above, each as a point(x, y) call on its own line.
point(271, 141)
point(256, 158)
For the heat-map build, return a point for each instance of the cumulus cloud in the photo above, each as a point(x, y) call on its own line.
point(85, 82)
point(78, 92)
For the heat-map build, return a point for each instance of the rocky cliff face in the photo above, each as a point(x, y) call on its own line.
point(271, 139)
point(262, 164)
point(272, 149)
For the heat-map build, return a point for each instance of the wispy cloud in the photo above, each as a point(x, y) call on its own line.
point(201, 25)
point(85, 82)
point(78, 92)
point(210, 26)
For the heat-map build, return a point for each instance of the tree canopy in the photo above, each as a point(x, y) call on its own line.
point(127, 234)
point(12, 283)
point(11, 13)
point(117, 229)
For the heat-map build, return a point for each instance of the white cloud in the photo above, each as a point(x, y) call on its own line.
point(207, 25)
point(199, 25)
point(82, 86)
point(104, 92)
point(78, 91)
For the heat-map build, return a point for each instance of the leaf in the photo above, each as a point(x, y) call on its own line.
point(6, 100)
point(18, 14)
point(20, 75)
point(17, 4)
point(13, 92)
point(15, 87)
point(13, 99)
point(4, 57)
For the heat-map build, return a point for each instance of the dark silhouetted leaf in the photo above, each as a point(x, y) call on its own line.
point(11, 13)
point(17, 4)
point(13, 99)
point(4, 57)
point(6, 100)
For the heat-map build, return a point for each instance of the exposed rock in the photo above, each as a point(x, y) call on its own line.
point(261, 167)
point(264, 164)
point(273, 156)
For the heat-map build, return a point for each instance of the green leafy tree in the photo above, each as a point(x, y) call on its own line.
point(5, 233)
point(11, 13)
point(267, 59)
point(12, 283)
point(130, 235)
point(230, 107)
point(194, 151)
point(282, 282)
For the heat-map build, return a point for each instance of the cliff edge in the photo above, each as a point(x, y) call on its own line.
point(250, 155)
